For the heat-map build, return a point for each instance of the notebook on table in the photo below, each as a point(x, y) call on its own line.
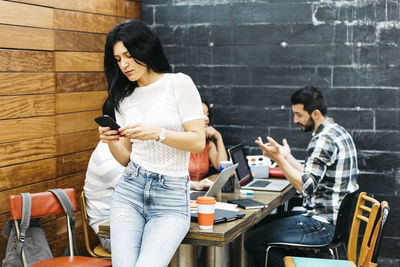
point(245, 177)
point(248, 203)
point(217, 186)
point(221, 215)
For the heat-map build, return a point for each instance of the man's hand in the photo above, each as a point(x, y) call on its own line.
point(285, 148)
point(273, 150)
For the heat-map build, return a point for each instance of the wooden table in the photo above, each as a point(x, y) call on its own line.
point(224, 243)
point(223, 233)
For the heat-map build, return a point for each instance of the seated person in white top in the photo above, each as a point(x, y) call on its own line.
point(102, 175)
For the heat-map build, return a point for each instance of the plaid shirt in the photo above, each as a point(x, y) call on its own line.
point(330, 171)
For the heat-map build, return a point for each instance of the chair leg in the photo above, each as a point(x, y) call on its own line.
point(332, 254)
point(345, 250)
point(266, 255)
point(337, 253)
point(70, 238)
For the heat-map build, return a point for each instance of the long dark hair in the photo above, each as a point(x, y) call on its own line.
point(143, 45)
point(108, 108)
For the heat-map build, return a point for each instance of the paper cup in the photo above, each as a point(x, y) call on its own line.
point(206, 211)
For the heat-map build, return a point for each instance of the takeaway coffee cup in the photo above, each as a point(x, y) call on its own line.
point(206, 211)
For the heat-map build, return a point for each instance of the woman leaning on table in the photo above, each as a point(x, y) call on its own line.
point(162, 122)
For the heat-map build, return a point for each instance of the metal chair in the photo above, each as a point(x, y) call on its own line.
point(98, 251)
point(46, 204)
point(366, 214)
point(340, 235)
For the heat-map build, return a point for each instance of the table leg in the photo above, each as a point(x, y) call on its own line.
point(238, 253)
point(175, 259)
point(187, 256)
point(184, 257)
point(217, 256)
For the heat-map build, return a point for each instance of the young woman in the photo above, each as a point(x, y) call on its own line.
point(214, 151)
point(162, 122)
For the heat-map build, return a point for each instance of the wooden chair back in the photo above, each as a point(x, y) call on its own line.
point(366, 212)
point(98, 251)
point(371, 259)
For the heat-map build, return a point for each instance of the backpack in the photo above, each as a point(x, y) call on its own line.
point(32, 244)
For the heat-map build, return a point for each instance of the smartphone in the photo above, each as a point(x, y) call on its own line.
point(107, 121)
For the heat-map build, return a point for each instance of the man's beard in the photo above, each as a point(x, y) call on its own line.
point(309, 126)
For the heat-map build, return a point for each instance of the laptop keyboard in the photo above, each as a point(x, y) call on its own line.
point(260, 183)
point(194, 195)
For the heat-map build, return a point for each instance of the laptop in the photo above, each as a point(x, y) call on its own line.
point(245, 177)
point(217, 186)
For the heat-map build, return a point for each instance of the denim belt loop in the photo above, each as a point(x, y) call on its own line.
point(136, 170)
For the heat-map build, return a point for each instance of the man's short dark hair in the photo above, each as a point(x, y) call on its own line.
point(311, 98)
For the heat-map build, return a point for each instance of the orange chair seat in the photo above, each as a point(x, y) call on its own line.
point(77, 261)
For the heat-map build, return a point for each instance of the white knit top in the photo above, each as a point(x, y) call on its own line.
point(169, 103)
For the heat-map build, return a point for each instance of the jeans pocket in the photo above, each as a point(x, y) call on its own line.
point(130, 172)
point(174, 183)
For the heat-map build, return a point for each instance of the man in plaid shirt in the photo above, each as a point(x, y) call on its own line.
point(329, 173)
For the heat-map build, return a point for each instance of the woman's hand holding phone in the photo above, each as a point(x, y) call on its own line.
point(141, 132)
point(108, 129)
point(107, 135)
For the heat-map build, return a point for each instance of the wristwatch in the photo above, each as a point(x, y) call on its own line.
point(161, 136)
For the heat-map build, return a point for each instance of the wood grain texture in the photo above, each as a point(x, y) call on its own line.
point(27, 173)
point(72, 163)
point(76, 142)
point(52, 86)
point(26, 15)
point(78, 82)
point(76, 122)
point(58, 246)
point(45, 3)
point(27, 83)
point(105, 7)
point(78, 41)
point(26, 61)
point(78, 61)
point(26, 106)
point(84, 22)
point(27, 150)
point(28, 128)
point(27, 38)
point(82, 101)
point(133, 10)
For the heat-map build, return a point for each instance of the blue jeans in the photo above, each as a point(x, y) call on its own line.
point(291, 227)
point(150, 216)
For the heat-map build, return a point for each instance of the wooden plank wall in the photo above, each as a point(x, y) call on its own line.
point(51, 88)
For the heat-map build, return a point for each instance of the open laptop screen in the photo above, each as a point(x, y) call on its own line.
point(243, 170)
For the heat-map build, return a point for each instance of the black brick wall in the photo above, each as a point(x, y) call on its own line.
point(235, 52)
